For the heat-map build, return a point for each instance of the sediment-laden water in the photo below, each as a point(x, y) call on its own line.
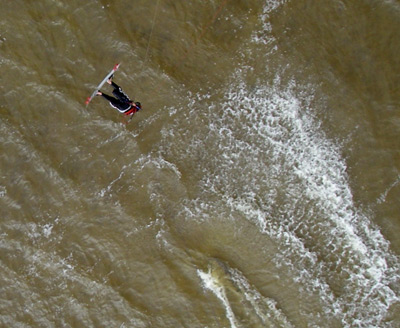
point(257, 187)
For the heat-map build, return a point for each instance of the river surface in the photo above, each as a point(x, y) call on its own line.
point(259, 186)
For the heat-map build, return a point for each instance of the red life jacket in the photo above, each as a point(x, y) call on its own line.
point(132, 110)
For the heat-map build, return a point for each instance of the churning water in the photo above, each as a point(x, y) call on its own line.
point(258, 187)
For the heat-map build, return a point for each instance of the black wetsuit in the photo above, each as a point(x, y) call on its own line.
point(122, 102)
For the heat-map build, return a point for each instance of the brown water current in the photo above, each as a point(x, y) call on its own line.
point(258, 186)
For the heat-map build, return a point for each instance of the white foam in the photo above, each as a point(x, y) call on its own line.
point(3, 191)
point(106, 190)
point(315, 171)
point(273, 163)
point(266, 309)
point(382, 198)
point(211, 283)
point(46, 230)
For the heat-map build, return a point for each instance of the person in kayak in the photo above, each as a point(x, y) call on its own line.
point(121, 101)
